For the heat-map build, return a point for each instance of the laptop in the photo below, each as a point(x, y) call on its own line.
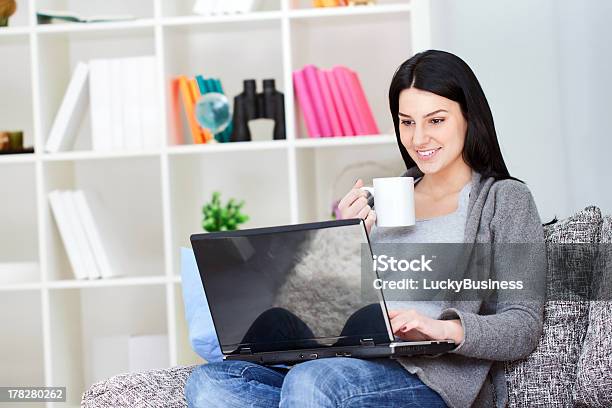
point(292, 293)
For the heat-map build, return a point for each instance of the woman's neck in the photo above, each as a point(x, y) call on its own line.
point(447, 181)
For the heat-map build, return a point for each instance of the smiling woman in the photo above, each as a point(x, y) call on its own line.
point(463, 193)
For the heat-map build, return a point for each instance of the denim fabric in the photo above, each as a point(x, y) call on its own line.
point(330, 382)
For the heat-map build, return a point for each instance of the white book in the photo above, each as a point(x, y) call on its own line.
point(93, 234)
point(62, 215)
point(149, 107)
point(100, 104)
point(71, 112)
point(116, 104)
point(82, 243)
point(130, 88)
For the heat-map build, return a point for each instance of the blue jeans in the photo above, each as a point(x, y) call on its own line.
point(329, 382)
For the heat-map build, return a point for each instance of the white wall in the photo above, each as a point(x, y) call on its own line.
point(544, 67)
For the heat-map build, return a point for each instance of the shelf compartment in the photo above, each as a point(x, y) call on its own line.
point(59, 53)
point(21, 343)
point(324, 43)
point(95, 28)
point(189, 50)
point(125, 198)
point(19, 225)
point(139, 9)
point(89, 328)
point(227, 147)
point(16, 111)
point(185, 8)
point(241, 175)
point(323, 142)
point(223, 19)
point(384, 7)
point(93, 155)
point(325, 175)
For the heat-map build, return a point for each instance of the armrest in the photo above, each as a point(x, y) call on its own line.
point(147, 389)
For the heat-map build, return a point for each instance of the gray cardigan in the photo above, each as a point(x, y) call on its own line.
point(473, 373)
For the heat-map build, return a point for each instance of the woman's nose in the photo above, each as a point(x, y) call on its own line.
point(419, 137)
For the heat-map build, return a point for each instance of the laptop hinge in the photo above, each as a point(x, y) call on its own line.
point(367, 342)
point(245, 350)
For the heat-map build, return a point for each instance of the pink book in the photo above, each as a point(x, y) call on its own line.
point(342, 78)
point(362, 104)
point(334, 122)
point(312, 80)
point(305, 102)
point(343, 117)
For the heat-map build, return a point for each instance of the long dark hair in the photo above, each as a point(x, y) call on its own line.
point(449, 76)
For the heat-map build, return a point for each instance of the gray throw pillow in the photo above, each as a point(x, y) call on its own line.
point(593, 386)
point(546, 377)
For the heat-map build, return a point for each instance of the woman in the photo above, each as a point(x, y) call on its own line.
point(463, 193)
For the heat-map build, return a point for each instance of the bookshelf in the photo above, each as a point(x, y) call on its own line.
point(150, 200)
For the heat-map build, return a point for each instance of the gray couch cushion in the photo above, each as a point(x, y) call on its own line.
point(593, 386)
point(545, 378)
point(158, 388)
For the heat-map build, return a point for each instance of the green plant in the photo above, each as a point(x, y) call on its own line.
point(217, 217)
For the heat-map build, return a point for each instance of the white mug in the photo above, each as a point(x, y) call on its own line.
point(393, 201)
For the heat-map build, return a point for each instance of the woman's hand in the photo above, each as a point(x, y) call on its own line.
point(355, 205)
point(412, 325)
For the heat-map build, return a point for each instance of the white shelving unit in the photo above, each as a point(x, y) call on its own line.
point(150, 201)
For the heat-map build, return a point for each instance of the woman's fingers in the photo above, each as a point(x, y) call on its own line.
point(393, 313)
point(351, 196)
point(408, 326)
point(363, 213)
point(399, 321)
point(355, 208)
point(370, 220)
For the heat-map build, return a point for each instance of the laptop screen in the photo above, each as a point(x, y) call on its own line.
point(289, 287)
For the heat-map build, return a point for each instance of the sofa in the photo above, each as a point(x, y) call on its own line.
point(570, 367)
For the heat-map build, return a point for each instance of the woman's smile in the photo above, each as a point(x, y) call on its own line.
point(427, 155)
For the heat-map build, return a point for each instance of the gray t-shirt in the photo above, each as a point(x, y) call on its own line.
point(447, 228)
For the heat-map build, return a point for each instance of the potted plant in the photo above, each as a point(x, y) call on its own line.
point(217, 217)
point(7, 9)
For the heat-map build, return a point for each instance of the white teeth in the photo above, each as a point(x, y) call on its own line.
point(426, 152)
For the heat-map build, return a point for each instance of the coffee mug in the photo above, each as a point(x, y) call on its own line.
point(394, 201)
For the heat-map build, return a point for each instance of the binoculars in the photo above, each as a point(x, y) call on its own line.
point(269, 104)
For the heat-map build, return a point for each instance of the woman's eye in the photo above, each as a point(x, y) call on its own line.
point(406, 122)
point(437, 121)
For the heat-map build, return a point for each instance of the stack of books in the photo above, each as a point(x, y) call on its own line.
point(188, 90)
point(67, 16)
point(333, 102)
point(121, 95)
point(80, 235)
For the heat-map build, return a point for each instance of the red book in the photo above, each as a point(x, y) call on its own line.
point(334, 122)
point(341, 109)
point(312, 80)
point(362, 104)
point(345, 83)
point(305, 102)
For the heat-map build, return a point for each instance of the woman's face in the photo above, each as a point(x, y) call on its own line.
point(432, 129)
